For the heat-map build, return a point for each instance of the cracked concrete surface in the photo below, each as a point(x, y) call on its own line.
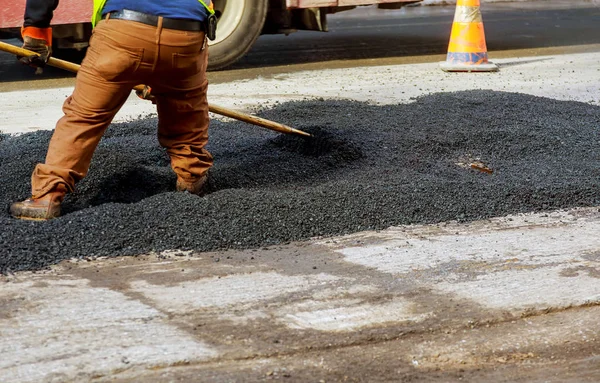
point(487, 299)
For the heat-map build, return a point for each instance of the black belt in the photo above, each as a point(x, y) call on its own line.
point(167, 23)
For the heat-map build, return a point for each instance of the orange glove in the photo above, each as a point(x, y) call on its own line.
point(146, 94)
point(38, 40)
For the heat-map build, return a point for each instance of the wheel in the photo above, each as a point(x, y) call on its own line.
point(239, 23)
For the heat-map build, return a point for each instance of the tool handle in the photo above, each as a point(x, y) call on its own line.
point(58, 63)
point(254, 120)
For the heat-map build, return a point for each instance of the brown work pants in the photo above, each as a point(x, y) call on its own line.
point(123, 54)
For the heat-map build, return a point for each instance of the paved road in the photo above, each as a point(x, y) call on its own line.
point(368, 36)
point(369, 33)
point(504, 300)
point(513, 299)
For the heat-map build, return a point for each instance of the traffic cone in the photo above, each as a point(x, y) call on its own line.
point(467, 51)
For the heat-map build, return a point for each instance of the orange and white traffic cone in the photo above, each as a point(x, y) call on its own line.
point(467, 51)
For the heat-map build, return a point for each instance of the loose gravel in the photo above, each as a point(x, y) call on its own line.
point(370, 167)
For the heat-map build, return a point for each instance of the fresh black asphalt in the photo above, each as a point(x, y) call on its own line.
point(370, 167)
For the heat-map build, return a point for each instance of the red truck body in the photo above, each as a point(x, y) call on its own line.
point(68, 12)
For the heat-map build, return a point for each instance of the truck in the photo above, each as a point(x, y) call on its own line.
point(240, 22)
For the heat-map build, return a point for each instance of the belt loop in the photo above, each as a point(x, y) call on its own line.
point(158, 32)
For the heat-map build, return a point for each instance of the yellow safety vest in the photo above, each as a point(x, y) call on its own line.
point(99, 5)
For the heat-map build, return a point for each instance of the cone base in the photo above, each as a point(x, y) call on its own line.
point(455, 67)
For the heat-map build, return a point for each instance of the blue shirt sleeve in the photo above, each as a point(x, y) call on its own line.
point(38, 13)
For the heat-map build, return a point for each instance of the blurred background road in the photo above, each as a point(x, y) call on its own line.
point(368, 36)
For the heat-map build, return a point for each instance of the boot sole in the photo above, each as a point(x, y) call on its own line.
point(31, 219)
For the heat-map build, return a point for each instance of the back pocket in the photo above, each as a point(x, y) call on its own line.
point(111, 62)
point(186, 64)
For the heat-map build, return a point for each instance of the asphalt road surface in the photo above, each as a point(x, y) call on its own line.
point(370, 33)
point(369, 36)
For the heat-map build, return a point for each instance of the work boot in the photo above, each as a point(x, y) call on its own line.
point(40, 209)
point(195, 187)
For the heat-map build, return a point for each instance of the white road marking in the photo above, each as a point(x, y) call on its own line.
point(542, 288)
point(350, 315)
point(527, 245)
point(227, 291)
point(68, 331)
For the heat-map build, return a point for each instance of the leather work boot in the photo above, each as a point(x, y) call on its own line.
point(195, 187)
point(40, 209)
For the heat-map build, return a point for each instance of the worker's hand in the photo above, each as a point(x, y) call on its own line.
point(38, 40)
point(146, 94)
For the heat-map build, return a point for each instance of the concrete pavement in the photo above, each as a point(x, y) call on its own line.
point(446, 300)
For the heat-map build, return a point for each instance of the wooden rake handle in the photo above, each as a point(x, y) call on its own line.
point(254, 120)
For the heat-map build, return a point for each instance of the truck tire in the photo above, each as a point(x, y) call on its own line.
point(239, 23)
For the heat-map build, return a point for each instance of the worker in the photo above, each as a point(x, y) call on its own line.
point(162, 44)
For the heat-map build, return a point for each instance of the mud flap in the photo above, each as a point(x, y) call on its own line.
point(311, 19)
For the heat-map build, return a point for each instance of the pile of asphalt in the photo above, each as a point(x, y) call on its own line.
point(369, 167)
